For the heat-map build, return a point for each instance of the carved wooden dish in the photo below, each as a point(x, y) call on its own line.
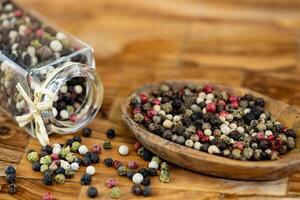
point(216, 165)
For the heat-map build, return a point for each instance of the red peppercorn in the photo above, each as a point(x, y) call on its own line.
point(271, 138)
point(47, 196)
point(96, 149)
point(146, 118)
point(144, 98)
point(55, 156)
point(233, 98)
point(238, 145)
point(235, 104)
point(132, 164)
point(211, 107)
point(73, 118)
point(200, 133)
point(155, 101)
point(137, 145)
point(39, 33)
point(137, 110)
point(117, 164)
point(151, 113)
point(284, 129)
point(207, 88)
point(111, 182)
point(222, 102)
point(204, 139)
point(260, 136)
point(223, 114)
point(18, 13)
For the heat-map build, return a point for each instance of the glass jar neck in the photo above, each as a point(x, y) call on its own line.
point(89, 104)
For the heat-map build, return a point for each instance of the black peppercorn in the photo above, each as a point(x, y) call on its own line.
point(204, 147)
point(10, 178)
point(136, 189)
point(77, 139)
point(69, 142)
point(143, 171)
point(263, 144)
point(248, 97)
point(108, 162)
point(43, 153)
point(152, 172)
point(36, 166)
point(290, 133)
point(235, 135)
point(48, 178)
point(176, 104)
point(259, 102)
point(277, 128)
point(130, 174)
point(86, 161)
point(86, 132)
point(94, 158)
point(10, 170)
point(147, 155)
point(87, 154)
point(78, 160)
point(264, 156)
point(92, 192)
point(12, 188)
point(110, 133)
point(47, 148)
point(86, 179)
point(60, 170)
point(147, 191)
point(249, 117)
point(146, 181)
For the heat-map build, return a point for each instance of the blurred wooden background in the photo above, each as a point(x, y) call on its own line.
point(249, 43)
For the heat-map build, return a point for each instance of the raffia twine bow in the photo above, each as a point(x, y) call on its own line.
point(36, 107)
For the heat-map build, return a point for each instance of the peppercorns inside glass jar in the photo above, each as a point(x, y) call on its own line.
point(48, 81)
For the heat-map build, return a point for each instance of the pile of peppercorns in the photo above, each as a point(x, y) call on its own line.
point(216, 122)
point(10, 177)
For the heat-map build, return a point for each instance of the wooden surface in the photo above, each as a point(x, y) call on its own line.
point(213, 164)
point(248, 43)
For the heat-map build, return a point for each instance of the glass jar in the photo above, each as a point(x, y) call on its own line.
point(56, 71)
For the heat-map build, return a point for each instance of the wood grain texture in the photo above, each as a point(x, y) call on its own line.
point(248, 43)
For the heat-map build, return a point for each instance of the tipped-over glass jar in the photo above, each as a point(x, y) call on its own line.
point(48, 81)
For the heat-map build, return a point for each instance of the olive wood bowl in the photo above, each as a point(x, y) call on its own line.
point(213, 164)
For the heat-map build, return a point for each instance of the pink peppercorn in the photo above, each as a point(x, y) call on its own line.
point(55, 156)
point(222, 102)
point(155, 101)
point(111, 182)
point(260, 136)
point(96, 149)
point(47, 196)
point(18, 13)
point(117, 164)
point(137, 110)
point(73, 118)
point(204, 139)
point(151, 113)
point(200, 133)
point(132, 164)
point(235, 104)
point(137, 145)
point(146, 118)
point(271, 138)
point(223, 114)
point(207, 88)
point(39, 32)
point(144, 98)
point(238, 145)
point(233, 98)
point(211, 107)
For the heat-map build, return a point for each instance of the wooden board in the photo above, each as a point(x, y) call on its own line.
point(246, 43)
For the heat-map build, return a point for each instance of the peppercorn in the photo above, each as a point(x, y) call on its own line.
point(47, 179)
point(110, 133)
point(146, 181)
point(69, 173)
point(33, 156)
point(156, 159)
point(96, 149)
point(147, 191)
point(86, 179)
point(263, 144)
point(86, 132)
point(12, 188)
point(10, 178)
point(122, 171)
point(152, 172)
point(136, 189)
point(64, 151)
point(132, 164)
point(69, 142)
point(111, 182)
point(115, 193)
point(107, 144)
point(10, 170)
point(75, 146)
point(60, 178)
point(36, 166)
point(143, 171)
point(116, 164)
point(60, 170)
point(94, 158)
point(130, 174)
point(86, 161)
point(147, 155)
point(108, 162)
point(47, 148)
point(77, 139)
point(290, 133)
point(92, 192)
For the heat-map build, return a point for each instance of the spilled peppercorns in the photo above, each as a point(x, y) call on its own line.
point(216, 122)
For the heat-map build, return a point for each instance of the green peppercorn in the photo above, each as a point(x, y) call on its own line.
point(46, 160)
point(75, 146)
point(107, 144)
point(44, 168)
point(33, 156)
point(247, 153)
point(69, 173)
point(164, 176)
point(156, 159)
point(115, 193)
point(63, 152)
point(70, 157)
point(141, 151)
point(138, 117)
point(236, 154)
point(122, 171)
point(290, 143)
point(164, 166)
point(59, 178)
